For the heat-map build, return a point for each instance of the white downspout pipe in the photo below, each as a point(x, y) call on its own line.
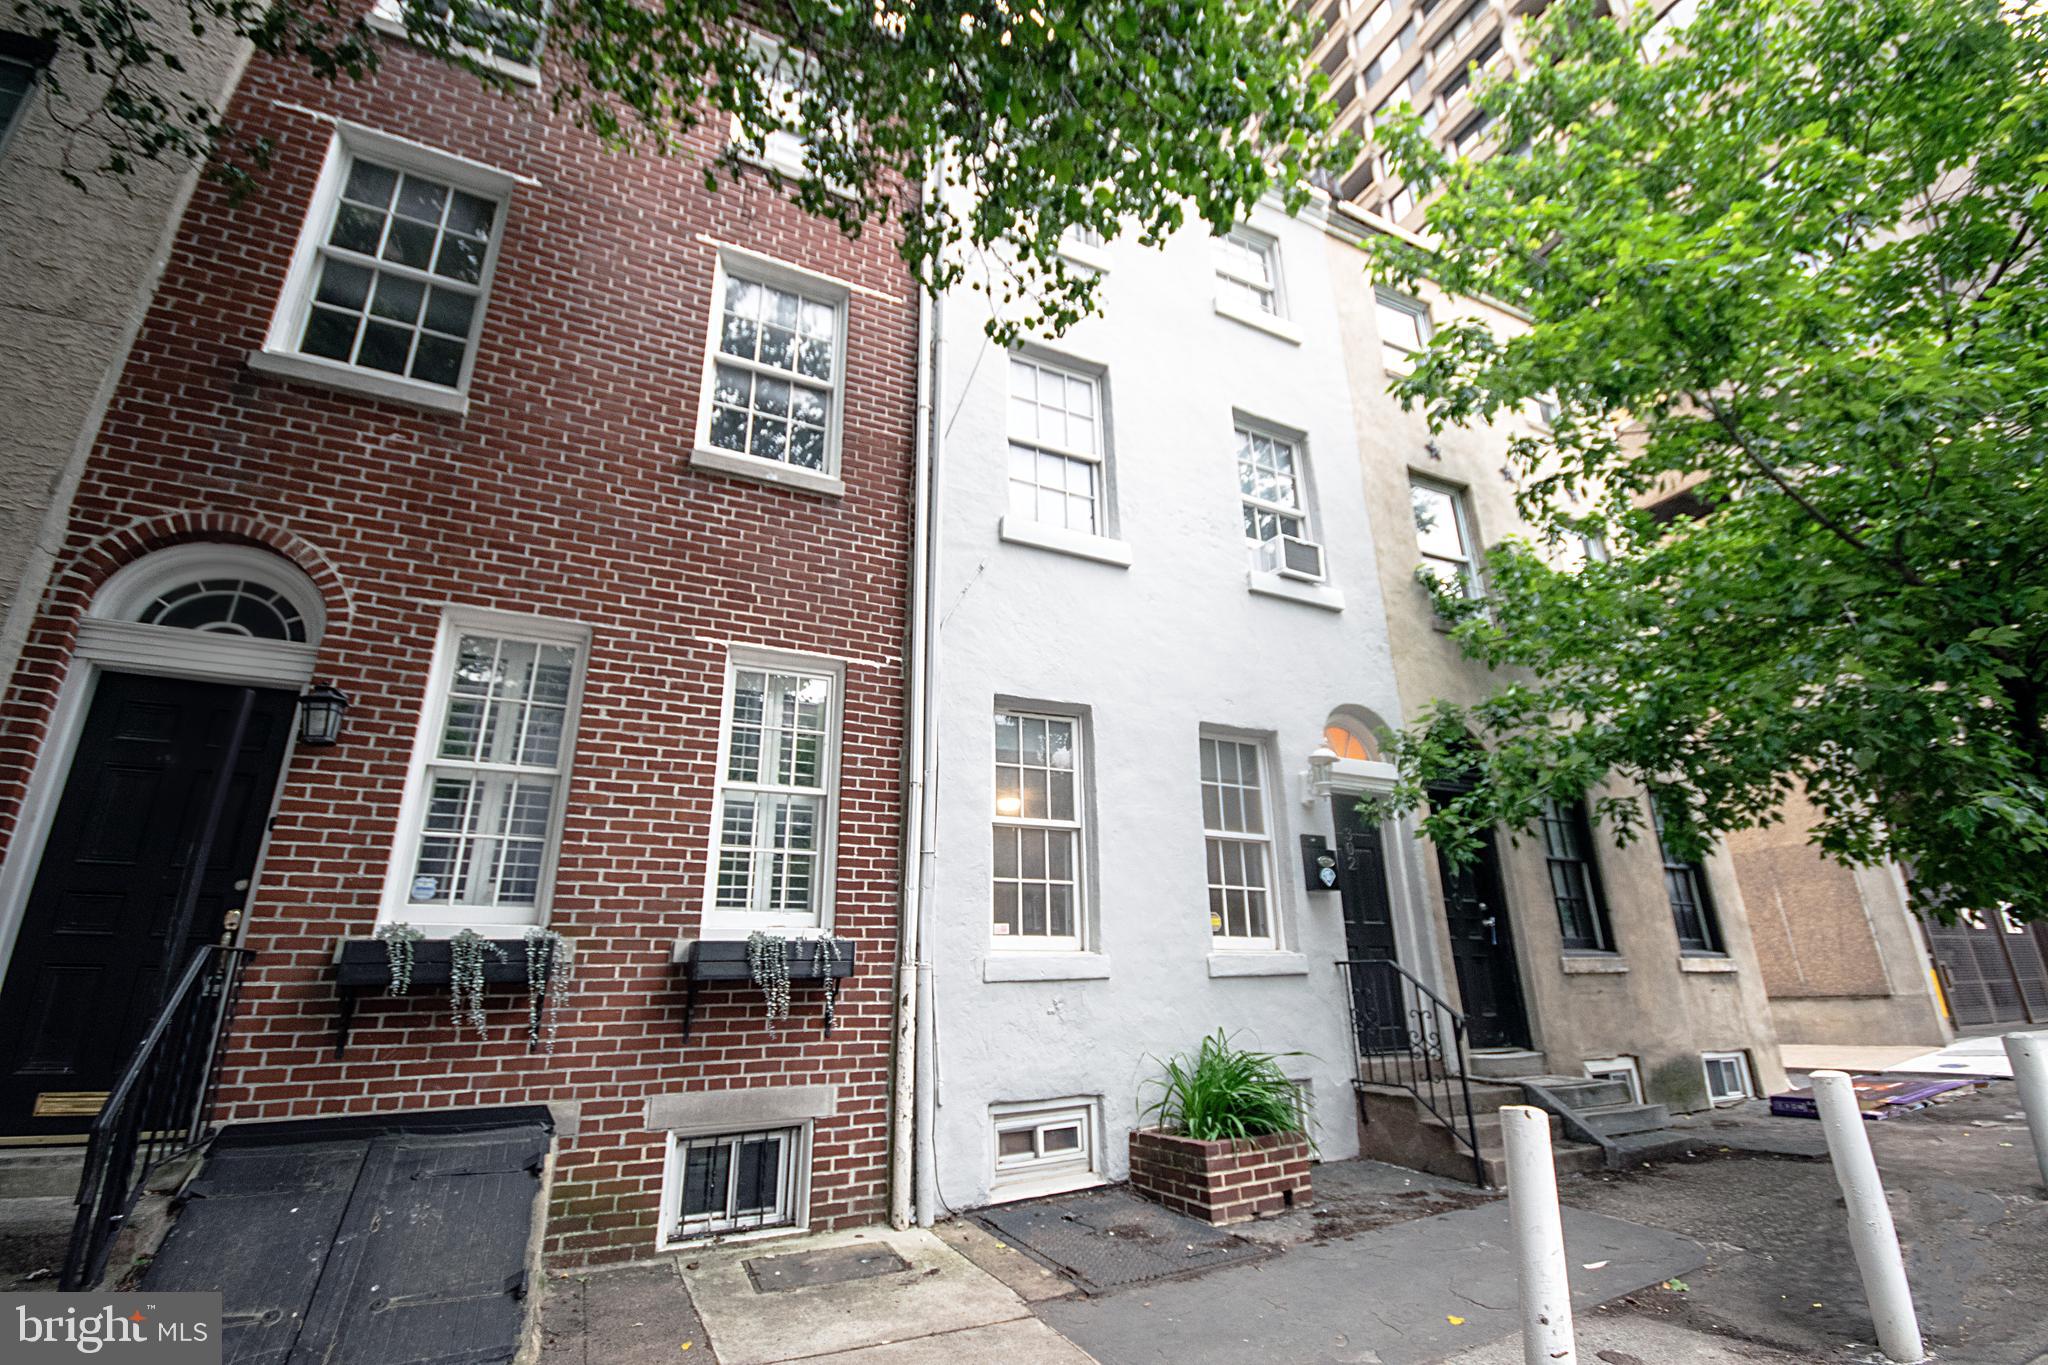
point(926, 1097)
point(903, 1126)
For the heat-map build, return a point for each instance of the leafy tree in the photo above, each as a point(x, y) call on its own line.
point(1113, 115)
point(1789, 261)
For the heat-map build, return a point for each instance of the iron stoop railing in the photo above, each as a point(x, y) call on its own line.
point(1408, 1037)
point(157, 1111)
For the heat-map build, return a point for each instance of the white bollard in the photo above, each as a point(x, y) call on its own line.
point(2029, 1055)
point(1539, 1238)
point(1871, 1234)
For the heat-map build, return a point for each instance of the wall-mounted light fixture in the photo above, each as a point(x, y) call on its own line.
point(320, 710)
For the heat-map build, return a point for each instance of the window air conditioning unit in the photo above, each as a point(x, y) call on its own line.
point(1302, 559)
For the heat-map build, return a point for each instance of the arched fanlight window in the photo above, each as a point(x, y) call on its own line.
point(228, 606)
point(1345, 744)
point(1351, 732)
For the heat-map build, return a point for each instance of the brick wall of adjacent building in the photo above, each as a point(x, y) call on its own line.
point(1221, 1182)
point(566, 492)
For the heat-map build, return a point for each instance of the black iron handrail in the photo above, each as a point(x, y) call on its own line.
point(157, 1111)
point(1399, 1027)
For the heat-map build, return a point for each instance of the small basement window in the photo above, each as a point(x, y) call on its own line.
point(1727, 1077)
point(1044, 1146)
point(734, 1182)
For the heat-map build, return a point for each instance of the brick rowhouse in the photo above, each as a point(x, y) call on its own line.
point(566, 491)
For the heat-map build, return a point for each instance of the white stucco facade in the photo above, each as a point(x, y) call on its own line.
point(1147, 637)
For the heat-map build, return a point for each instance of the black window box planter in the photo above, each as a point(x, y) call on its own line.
point(362, 966)
point(724, 960)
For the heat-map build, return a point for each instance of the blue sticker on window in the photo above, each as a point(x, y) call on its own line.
point(425, 888)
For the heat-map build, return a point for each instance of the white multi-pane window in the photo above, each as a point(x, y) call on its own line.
point(1239, 843)
point(485, 799)
point(1056, 447)
point(1269, 480)
point(1443, 534)
point(502, 33)
point(1036, 877)
point(776, 372)
point(772, 859)
point(1248, 271)
point(734, 1182)
point(1403, 324)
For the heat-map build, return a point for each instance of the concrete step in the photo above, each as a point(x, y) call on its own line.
point(1503, 1063)
point(1660, 1144)
point(1584, 1092)
point(1621, 1119)
point(40, 1172)
point(1571, 1158)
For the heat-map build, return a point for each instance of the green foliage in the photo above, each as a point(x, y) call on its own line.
point(1115, 115)
point(1222, 1093)
point(1796, 256)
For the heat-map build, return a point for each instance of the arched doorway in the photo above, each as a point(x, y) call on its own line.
point(140, 834)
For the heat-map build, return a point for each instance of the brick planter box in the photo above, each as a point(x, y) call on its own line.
point(1221, 1182)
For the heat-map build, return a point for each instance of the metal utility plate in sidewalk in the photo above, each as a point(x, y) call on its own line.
point(832, 1265)
point(1106, 1239)
point(365, 1241)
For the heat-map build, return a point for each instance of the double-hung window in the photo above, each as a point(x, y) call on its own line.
point(1404, 328)
point(489, 775)
point(1238, 842)
point(505, 34)
point(1248, 272)
point(1269, 484)
point(1574, 877)
point(1038, 831)
point(1685, 885)
point(1056, 447)
point(772, 858)
point(1443, 533)
point(393, 271)
point(776, 369)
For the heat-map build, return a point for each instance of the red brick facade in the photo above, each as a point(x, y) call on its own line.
point(565, 492)
point(1221, 1182)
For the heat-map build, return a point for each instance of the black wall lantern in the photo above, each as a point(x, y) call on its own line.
point(320, 708)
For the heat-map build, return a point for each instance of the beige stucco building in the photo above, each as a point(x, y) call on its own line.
point(82, 268)
point(1621, 961)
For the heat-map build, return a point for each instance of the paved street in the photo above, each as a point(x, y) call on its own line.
point(1735, 1255)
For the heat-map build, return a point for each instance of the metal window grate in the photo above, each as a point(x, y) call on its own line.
point(736, 1182)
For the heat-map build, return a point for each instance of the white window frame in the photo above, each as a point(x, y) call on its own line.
point(397, 904)
point(782, 151)
point(794, 1182)
point(1617, 1068)
point(1396, 357)
point(1243, 426)
point(1105, 526)
point(1044, 943)
point(1220, 941)
point(808, 284)
point(1230, 271)
point(1025, 1178)
point(727, 924)
point(1741, 1063)
point(280, 354)
point(1462, 523)
point(389, 17)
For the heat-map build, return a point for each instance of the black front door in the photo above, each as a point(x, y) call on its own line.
point(1483, 950)
point(90, 962)
point(1378, 1003)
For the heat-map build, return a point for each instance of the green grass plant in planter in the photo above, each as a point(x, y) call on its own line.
point(1219, 1093)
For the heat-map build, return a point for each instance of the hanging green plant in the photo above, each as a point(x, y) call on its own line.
point(398, 939)
point(828, 967)
point(466, 954)
point(768, 964)
point(549, 963)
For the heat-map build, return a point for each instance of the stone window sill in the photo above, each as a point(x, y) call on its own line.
point(389, 387)
point(1708, 964)
point(1267, 584)
point(1027, 966)
point(1061, 541)
point(1257, 964)
point(767, 471)
point(1594, 964)
point(1258, 321)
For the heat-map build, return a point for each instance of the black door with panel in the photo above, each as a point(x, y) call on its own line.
point(91, 959)
point(1378, 1003)
point(1483, 949)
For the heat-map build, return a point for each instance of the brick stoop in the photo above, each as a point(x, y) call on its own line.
point(1225, 1181)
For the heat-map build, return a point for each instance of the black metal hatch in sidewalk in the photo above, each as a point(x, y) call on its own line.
point(368, 1241)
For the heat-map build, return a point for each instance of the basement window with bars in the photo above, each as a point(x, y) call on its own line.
point(734, 1182)
point(388, 288)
